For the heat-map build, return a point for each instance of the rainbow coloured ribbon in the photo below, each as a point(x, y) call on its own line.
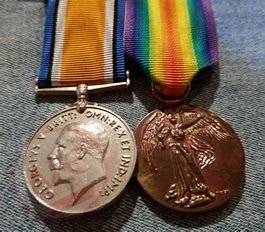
point(83, 43)
point(172, 41)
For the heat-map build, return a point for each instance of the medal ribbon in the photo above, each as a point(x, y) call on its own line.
point(83, 43)
point(172, 41)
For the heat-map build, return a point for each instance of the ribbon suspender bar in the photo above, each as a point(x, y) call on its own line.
point(71, 90)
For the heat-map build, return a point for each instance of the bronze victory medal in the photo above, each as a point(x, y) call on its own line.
point(80, 162)
point(189, 159)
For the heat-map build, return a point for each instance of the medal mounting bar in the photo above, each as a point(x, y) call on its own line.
point(71, 90)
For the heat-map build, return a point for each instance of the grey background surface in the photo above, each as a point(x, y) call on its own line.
point(237, 95)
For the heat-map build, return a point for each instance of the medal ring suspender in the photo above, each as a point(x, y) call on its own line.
point(82, 158)
point(189, 159)
point(169, 101)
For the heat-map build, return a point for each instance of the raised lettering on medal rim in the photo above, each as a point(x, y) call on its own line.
point(80, 162)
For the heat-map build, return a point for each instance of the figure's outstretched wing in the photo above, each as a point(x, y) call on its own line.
point(152, 138)
point(205, 127)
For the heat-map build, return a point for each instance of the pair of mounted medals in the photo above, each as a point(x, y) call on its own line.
point(80, 160)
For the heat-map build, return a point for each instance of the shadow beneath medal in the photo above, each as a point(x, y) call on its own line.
point(112, 218)
point(194, 220)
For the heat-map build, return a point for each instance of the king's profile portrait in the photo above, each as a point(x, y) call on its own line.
point(77, 157)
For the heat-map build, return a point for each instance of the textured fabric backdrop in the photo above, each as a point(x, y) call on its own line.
point(237, 95)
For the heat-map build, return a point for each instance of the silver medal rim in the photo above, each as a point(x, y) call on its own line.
point(108, 202)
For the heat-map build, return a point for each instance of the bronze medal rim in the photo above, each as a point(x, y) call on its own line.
point(141, 179)
point(110, 201)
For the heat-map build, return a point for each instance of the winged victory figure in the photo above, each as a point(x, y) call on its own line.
point(185, 134)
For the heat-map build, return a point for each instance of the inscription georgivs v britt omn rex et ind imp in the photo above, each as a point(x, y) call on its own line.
point(69, 149)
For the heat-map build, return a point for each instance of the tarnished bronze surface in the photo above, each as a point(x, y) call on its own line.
point(189, 159)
